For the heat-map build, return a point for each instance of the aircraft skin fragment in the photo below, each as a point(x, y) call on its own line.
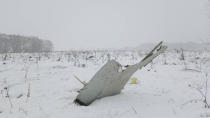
point(110, 81)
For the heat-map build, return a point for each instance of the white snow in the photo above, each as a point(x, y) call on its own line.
point(164, 90)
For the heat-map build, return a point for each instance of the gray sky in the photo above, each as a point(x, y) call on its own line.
point(106, 23)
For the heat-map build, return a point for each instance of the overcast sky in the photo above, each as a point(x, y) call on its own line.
point(106, 23)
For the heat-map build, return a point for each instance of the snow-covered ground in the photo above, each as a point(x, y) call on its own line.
point(42, 85)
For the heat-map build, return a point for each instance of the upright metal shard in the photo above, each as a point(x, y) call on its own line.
point(109, 81)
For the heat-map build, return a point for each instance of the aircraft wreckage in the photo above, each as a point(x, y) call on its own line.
point(111, 78)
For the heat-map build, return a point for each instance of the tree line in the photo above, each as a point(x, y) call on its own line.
point(18, 43)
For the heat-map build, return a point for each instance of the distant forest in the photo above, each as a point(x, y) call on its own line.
point(18, 43)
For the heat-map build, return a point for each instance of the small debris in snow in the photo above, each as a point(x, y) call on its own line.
point(59, 67)
point(19, 96)
point(91, 57)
